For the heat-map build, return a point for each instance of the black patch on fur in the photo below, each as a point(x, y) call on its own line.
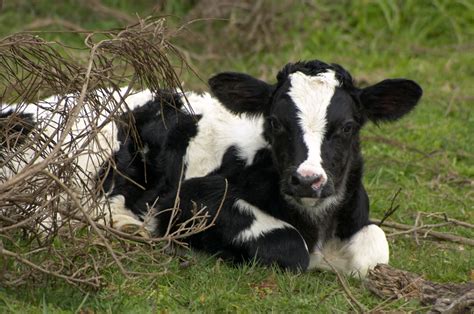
point(14, 128)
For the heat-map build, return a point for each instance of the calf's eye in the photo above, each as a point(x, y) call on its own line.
point(275, 124)
point(347, 128)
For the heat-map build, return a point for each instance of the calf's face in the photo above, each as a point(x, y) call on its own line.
point(313, 115)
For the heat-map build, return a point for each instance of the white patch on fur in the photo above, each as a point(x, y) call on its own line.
point(312, 96)
point(136, 99)
point(143, 152)
point(121, 218)
point(263, 223)
point(354, 257)
point(219, 129)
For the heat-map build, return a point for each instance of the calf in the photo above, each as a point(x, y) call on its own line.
point(297, 199)
point(280, 163)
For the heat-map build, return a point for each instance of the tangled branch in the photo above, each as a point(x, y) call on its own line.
point(52, 207)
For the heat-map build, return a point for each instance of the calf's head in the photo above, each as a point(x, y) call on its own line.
point(313, 115)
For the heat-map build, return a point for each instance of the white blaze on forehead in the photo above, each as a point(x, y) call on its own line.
point(312, 96)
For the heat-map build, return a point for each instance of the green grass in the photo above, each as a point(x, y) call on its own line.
point(429, 155)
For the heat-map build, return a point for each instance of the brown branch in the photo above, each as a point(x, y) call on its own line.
point(45, 194)
point(40, 23)
point(392, 284)
point(389, 212)
point(89, 220)
point(435, 234)
point(98, 7)
point(90, 281)
point(445, 217)
point(360, 307)
point(463, 304)
point(416, 228)
point(20, 223)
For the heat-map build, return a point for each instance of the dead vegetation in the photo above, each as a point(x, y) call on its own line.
point(51, 217)
point(392, 284)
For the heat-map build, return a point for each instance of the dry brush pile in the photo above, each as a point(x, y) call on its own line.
point(51, 213)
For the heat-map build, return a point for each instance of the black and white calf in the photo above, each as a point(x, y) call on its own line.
point(290, 155)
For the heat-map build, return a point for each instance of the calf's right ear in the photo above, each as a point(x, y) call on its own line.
point(241, 93)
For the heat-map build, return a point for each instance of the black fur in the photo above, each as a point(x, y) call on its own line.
point(14, 128)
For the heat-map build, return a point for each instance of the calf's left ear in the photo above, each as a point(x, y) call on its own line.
point(241, 93)
point(390, 99)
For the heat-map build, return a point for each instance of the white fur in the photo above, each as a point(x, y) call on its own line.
point(363, 251)
point(312, 96)
point(219, 129)
point(121, 218)
point(135, 99)
point(263, 223)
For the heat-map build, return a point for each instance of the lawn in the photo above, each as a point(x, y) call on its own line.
point(427, 156)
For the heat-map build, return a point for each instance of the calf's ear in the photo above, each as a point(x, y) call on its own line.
point(241, 93)
point(390, 99)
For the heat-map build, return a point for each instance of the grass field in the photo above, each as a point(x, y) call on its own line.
point(429, 155)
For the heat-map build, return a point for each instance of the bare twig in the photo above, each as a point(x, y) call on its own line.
point(392, 283)
point(389, 212)
point(89, 220)
point(101, 8)
point(360, 307)
point(435, 234)
point(48, 177)
point(445, 217)
point(90, 281)
point(54, 21)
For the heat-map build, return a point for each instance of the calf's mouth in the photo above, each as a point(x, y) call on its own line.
point(306, 195)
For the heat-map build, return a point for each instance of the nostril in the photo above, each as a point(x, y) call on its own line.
point(295, 179)
point(318, 181)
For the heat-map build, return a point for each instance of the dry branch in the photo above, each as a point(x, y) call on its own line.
point(104, 10)
point(45, 22)
point(391, 283)
point(360, 307)
point(428, 232)
point(46, 194)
